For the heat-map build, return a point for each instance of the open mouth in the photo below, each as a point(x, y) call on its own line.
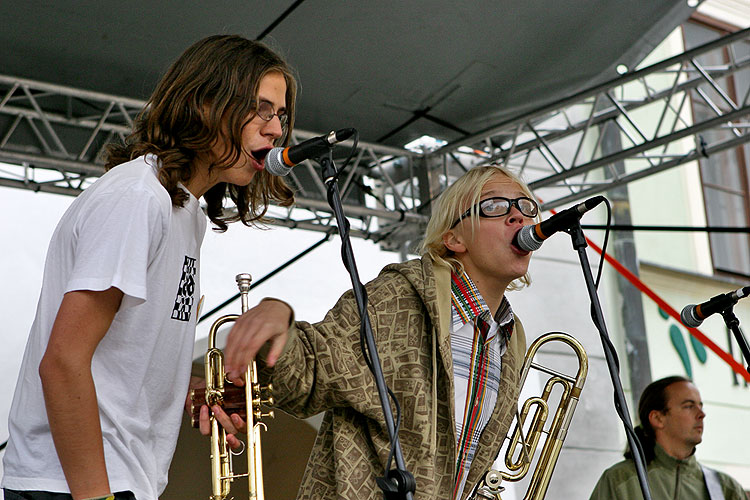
point(260, 154)
point(518, 249)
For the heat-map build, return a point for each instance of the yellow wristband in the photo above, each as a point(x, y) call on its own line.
point(108, 497)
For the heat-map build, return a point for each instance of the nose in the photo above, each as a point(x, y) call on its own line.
point(516, 217)
point(273, 128)
point(701, 413)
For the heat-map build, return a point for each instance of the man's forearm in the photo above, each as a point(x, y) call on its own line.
point(73, 414)
point(69, 391)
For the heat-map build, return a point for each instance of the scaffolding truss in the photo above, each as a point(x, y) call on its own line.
point(52, 139)
point(559, 149)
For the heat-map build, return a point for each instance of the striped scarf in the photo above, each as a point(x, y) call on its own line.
point(477, 341)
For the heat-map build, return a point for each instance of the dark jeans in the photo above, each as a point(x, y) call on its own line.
point(48, 495)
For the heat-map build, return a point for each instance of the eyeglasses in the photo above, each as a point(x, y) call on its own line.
point(266, 113)
point(497, 206)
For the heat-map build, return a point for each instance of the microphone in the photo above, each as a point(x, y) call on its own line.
point(279, 161)
point(531, 237)
point(693, 315)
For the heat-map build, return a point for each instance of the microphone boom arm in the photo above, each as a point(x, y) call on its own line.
point(733, 323)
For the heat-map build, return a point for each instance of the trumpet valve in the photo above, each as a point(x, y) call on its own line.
point(262, 396)
point(214, 397)
point(266, 395)
point(258, 414)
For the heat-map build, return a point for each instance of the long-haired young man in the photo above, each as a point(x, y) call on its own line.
point(106, 369)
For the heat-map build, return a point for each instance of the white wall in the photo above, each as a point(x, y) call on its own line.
point(679, 269)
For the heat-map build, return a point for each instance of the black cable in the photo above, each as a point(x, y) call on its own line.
point(353, 150)
point(607, 343)
point(278, 20)
point(604, 244)
point(609, 347)
point(697, 229)
point(346, 250)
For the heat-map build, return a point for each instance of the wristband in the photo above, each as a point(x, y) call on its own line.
point(106, 497)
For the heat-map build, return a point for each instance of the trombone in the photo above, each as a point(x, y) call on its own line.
point(522, 448)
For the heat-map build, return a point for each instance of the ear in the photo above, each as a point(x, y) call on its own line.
point(656, 419)
point(454, 242)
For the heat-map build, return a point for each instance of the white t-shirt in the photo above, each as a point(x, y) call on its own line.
point(122, 231)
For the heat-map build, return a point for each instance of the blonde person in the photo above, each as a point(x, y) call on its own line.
point(450, 346)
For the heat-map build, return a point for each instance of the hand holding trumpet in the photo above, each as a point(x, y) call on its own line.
point(268, 322)
point(232, 387)
point(233, 423)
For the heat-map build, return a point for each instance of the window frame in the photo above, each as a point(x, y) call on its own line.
point(739, 153)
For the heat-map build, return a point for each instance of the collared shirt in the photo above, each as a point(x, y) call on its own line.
point(478, 342)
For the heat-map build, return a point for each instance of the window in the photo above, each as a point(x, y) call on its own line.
point(724, 175)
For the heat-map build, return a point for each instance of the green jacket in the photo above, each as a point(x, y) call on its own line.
point(668, 478)
point(322, 370)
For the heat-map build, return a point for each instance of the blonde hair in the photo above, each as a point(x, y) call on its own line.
point(452, 203)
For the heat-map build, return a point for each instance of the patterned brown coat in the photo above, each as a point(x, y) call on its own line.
point(322, 369)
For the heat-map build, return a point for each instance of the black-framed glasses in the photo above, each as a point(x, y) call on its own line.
point(266, 113)
point(497, 206)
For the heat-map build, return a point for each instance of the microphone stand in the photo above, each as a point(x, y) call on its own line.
point(398, 483)
point(733, 323)
point(579, 244)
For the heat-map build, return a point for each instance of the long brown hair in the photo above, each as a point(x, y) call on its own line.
point(206, 96)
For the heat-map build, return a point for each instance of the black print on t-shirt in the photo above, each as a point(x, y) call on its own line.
point(183, 304)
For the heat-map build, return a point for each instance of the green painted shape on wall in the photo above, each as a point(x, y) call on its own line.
point(699, 349)
point(679, 345)
point(662, 313)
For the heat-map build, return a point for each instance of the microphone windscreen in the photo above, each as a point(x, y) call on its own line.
point(526, 241)
point(274, 165)
point(689, 318)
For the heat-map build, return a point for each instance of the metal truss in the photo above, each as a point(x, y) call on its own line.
point(378, 187)
point(52, 139)
point(51, 136)
point(560, 148)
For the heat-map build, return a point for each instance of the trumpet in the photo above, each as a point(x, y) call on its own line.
point(246, 401)
point(490, 486)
